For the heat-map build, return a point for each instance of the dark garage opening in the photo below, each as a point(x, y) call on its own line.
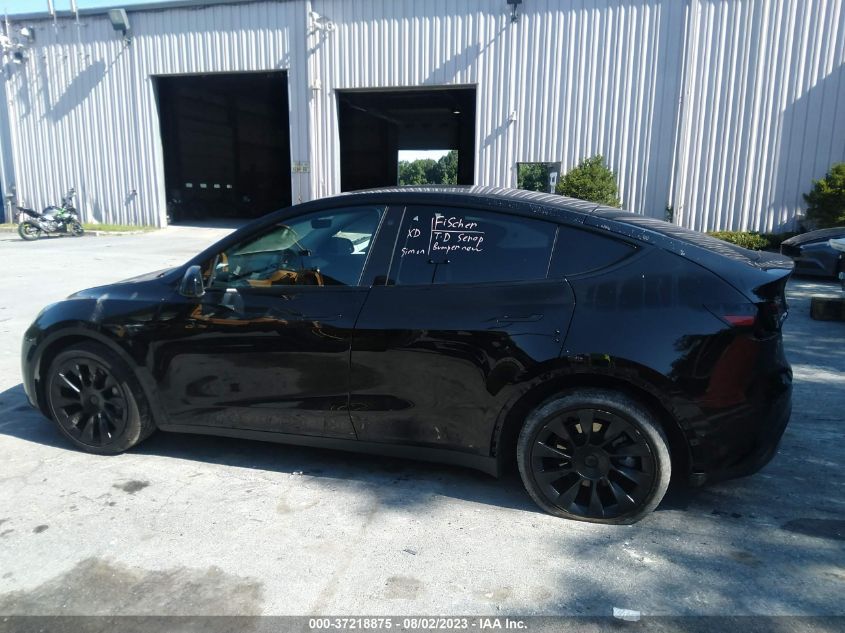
point(376, 124)
point(226, 143)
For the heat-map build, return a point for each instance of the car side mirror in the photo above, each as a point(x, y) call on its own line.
point(191, 284)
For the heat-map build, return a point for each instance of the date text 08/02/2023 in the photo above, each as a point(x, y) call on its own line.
point(417, 623)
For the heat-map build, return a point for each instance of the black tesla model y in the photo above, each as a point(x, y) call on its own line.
point(600, 351)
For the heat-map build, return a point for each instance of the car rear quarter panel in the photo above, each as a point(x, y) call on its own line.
point(645, 322)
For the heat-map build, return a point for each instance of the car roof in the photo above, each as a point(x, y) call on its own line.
point(518, 200)
point(818, 235)
point(599, 217)
point(745, 269)
point(726, 260)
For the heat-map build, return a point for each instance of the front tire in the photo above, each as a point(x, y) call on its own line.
point(96, 401)
point(594, 455)
point(29, 231)
point(76, 229)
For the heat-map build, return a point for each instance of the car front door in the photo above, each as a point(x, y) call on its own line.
point(465, 312)
point(267, 347)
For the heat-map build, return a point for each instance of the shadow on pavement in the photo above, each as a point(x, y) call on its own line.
point(22, 421)
point(18, 419)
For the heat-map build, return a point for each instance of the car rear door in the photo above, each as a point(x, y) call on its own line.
point(465, 312)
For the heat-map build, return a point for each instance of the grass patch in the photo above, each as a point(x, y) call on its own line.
point(752, 240)
point(106, 228)
point(113, 228)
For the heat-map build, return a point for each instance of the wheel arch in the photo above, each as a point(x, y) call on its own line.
point(63, 338)
point(513, 417)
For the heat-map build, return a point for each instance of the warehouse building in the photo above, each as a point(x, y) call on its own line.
point(722, 111)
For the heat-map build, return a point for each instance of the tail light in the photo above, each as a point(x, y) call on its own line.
point(764, 318)
point(742, 315)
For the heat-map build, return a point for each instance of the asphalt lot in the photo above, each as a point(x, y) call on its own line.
point(198, 525)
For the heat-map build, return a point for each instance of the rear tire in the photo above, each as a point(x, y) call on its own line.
point(96, 401)
point(594, 455)
point(29, 231)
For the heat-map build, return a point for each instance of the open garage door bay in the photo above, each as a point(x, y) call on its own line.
point(375, 124)
point(226, 143)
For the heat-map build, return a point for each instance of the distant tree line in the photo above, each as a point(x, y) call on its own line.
point(426, 171)
point(589, 180)
point(533, 177)
point(826, 200)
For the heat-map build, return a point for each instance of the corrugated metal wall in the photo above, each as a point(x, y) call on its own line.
point(725, 109)
point(69, 118)
point(764, 110)
point(83, 107)
point(580, 77)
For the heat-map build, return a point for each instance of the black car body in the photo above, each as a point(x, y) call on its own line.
point(813, 254)
point(433, 322)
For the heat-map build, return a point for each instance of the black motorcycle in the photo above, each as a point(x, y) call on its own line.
point(61, 220)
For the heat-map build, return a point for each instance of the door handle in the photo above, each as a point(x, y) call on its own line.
point(519, 319)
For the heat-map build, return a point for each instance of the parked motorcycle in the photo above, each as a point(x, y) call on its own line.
point(62, 220)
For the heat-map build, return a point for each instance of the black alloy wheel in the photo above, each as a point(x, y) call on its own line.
point(594, 456)
point(76, 229)
point(88, 402)
point(96, 401)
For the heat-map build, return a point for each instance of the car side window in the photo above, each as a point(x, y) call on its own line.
point(581, 251)
point(440, 245)
point(326, 248)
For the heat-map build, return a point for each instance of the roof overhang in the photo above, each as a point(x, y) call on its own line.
point(132, 8)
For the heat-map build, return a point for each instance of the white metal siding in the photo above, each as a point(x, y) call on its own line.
point(580, 77)
point(83, 108)
point(725, 109)
point(764, 110)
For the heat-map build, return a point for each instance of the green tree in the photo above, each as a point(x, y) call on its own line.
point(826, 201)
point(449, 168)
point(415, 172)
point(533, 177)
point(426, 171)
point(591, 180)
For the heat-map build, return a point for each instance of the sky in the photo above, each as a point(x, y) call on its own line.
point(412, 155)
point(39, 6)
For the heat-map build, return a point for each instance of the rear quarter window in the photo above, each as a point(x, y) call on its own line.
point(579, 251)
